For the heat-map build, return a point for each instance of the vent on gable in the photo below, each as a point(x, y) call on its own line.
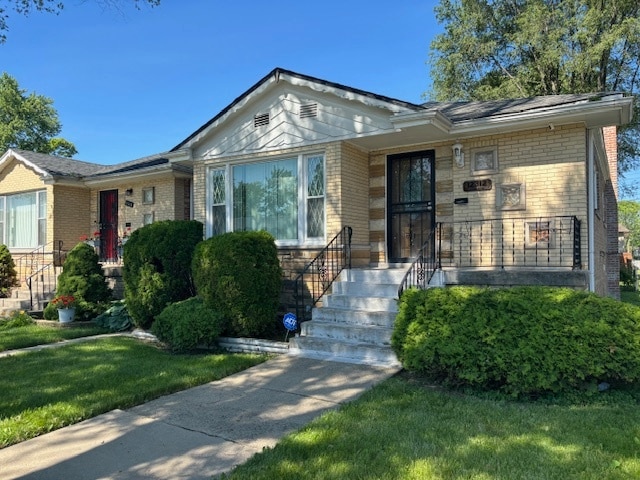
point(309, 110)
point(260, 120)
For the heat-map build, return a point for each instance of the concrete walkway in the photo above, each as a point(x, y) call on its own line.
point(197, 433)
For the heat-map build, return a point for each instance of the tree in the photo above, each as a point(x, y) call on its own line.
point(29, 121)
point(25, 7)
point(629, 216)
point(494, 49)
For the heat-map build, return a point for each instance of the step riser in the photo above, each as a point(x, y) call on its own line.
point(353, 317)
point(371, 304)
point(366, 289)
point(370, 335)
point(381, 276)
point(348, 352)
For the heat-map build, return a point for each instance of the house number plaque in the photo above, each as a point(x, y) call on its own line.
point(477, 185)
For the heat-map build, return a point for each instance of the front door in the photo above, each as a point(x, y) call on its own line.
point(109, 225)
point(411, 200)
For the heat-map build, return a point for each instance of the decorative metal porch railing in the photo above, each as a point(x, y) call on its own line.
point(424, 266)
point(319, 274)
point(512, 242)
point(39, 269)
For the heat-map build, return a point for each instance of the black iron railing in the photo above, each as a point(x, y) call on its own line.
point(319, 274)
point(424, 266)
point(39, 269)
point(513, 242)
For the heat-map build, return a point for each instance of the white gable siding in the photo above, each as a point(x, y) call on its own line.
point(336, 119)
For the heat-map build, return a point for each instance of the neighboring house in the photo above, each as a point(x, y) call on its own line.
point(49, 204)
point(522, 191)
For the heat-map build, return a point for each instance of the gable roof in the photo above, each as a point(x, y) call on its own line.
point(412, 123)
point(51, 165)
point(278, 74)
point(67, 168)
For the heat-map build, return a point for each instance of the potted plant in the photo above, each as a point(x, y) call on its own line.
point(66, 306)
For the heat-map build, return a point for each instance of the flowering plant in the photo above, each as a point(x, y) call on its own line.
point(64, 301)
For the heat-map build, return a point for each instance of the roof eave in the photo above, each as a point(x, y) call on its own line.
point(603, 113)
point(9, 154)
point(612, 110)
point(176, 171)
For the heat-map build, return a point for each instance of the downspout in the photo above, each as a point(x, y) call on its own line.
point(591, 212)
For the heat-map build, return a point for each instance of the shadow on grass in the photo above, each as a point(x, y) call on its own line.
point(400, 430)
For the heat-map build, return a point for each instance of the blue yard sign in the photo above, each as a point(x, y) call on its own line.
point(290, 323)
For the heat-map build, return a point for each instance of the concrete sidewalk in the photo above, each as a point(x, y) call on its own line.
point(196, 433)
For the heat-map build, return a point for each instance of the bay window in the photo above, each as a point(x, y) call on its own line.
point(23, 219)
point(285, 197)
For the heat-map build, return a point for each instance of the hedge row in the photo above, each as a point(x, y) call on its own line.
point(521, 341)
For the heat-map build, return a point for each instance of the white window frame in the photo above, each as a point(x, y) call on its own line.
point(301, 159)
point(40, 219)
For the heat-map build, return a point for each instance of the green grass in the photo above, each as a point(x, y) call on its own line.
point(31, 335)
point(630, 296)
point(45, 390)
point(404, 429)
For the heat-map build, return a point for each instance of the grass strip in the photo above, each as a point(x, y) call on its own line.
point(31, 335)
point(404, 430)
point(45, 390)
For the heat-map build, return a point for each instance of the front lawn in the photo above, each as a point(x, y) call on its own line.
point(45, 390)
point(405, 429)
point(31, 335)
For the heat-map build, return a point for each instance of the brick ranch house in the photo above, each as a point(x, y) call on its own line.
point(48, 204)
point(535, 178)
point(505, 192)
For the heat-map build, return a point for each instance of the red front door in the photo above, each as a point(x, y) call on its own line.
point(109, 225)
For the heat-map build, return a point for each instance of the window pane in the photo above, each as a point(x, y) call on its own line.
point(42, 218)
point(23, 221)
point(218, 196)
point(218, 220)
point(2, 219)
point(315, 217)
point(265, 197)
point(315, 176)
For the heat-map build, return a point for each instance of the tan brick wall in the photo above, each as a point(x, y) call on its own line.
point(550, 165)
point(17, 177)
point(68, 215)
point(169, 202)
point(351, 174)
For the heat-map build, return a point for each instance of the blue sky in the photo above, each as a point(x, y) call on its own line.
point(129, 83)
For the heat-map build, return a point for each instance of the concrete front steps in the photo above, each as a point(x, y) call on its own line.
point(20, 299)
point(355, 322)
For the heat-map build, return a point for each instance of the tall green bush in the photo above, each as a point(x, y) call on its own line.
point(157, 267)
point(83, 278)
point(239, 275)
point(521, 341)
point(8, 274)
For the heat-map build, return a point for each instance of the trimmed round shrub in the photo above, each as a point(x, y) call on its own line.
point(8, 274)
point(187, 325)
point(83, 278)
point(522, 341)
point(239, 274)
point(157, 267)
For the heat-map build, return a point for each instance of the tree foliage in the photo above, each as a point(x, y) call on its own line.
point(629, 216)
point(25, 7)
point(29, 121)
point(493, 49)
